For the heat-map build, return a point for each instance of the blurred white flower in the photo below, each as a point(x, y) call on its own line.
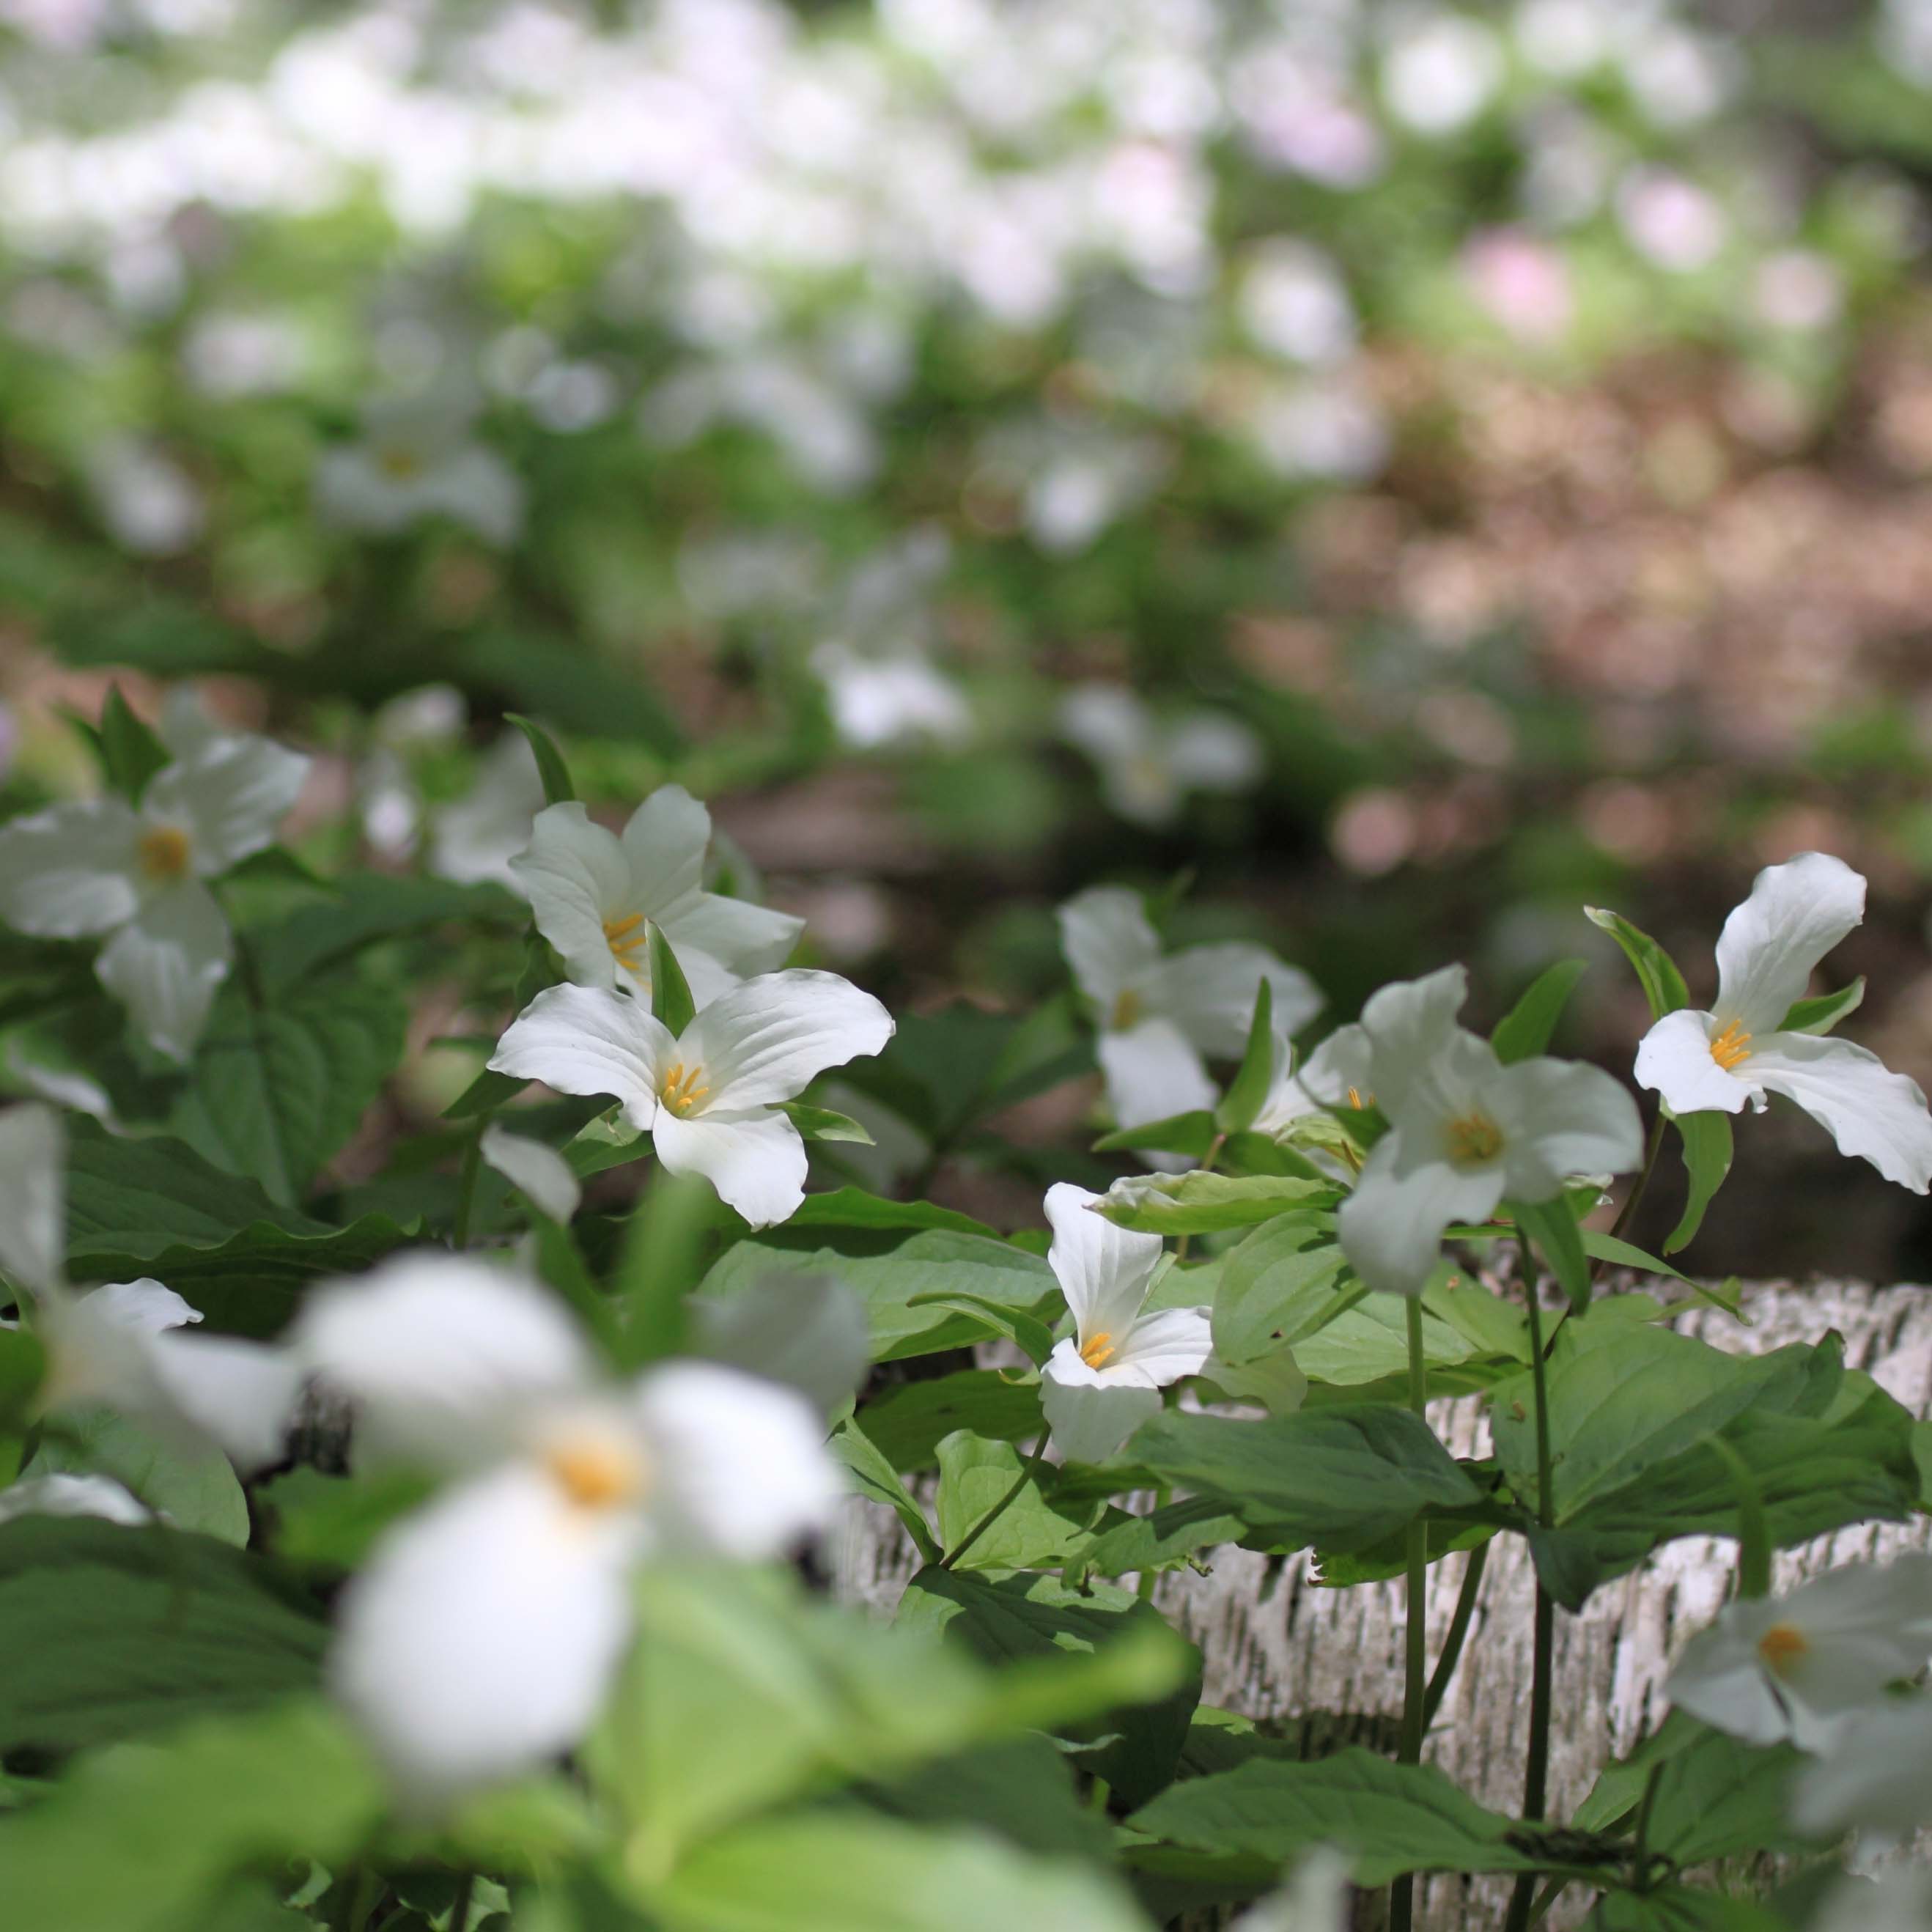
point(1523, 282)
point(545, 1179)
point(1799, 288)
point(1147, 764)
point(1315, 1899)
point(477, 838)
point(895, 699)
point(60, 1494)
point(1565, 38)
point(418, 460)
point(1325, 432)
point(1292, 300)
point(1439, 71)
point(1670, 221)
point(1899, 1901)
point(229, 356)
point(1876, 1777)
point(1678, 78)
point(148, 502)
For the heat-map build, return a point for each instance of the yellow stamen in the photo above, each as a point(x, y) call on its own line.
point(1126, 1013)
point(399, 463)
point(627, 938)
point(1355, 1100)
point(680, 1091)
point(1781, 1646)
point(1473, 1141)
point(596, 1474)
point(1731, 1045)
point(1097, 1353)
point(164, 852)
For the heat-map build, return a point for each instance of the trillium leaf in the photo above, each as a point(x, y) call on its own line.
point(874, 1477)
point(1822, 1014)
point(1553, 1228)
point(483, 1095)
point(1191, 1134)
point(129, 751)
point(1202, 1204)
point(1681, 1908)
point(670, 995)
point(1706, 1142)
point(1248, 1091)
point(823, 1123)
point(908, 1422)
point(1030, 1336)
point(1657, 972)
point(365, 909)
point(557, 788)
point(1524, 1031)
point(189, 1482)
point(1278, 1285)
point(1029, 1533)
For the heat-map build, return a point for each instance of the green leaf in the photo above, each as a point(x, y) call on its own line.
point(555, 774)
point(874, 1476)
point(1679, 1908)
point(1822, 1014)
point(188, 1481)
point(364, 909)
point(1553, 1229)
point(1030, 1336)
point(483, 1095)
point(136, 1839)
point(908, 1421)
point(1657, 972)
point(129, 750)
point(23, 1364)
point(822, 1124)
point(1280, 1284)
point(1525, 1030)
point(1368, 1342)
point(276, 1090)
point(671, 996)
point(1342, 1477)
point(331, 1522)
point(1021, 1790)
point(975, 1475)
point(1203, 1204)
point(116, 1631)
point(1387, 1819)
point(852, 1207)
point(1191, 1134)
point(1248, 1091)
point(1706, 1141)
point(576, 690)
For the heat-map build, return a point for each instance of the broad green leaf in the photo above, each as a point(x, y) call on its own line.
point(483, 1095)
point(822, 1124)
point(874, 1476)
point(1657, 972)
point(572, 686)
point(1191, 1134)
point(115, 1631)
point(276, 1090)
point(1021, 1790)
point(1369, 1342)
point(364, 909)
point(1525, 1030)
point(187, 1479)
point(1030, 1335)
point(557, 788)
point(1706, 1142)
point(23, 1362)
point(1162, 1537)
point(907, 1421)
point(1553, 1228)
point(331, 1522)
point(1822, 1014)
point(1203, 1204)
point(1275, 1286)
point(975, 1476)
point(129, 750)
point(1681, 1908)
point(671, 996)
point(1248, 1091)
point(853, 1207)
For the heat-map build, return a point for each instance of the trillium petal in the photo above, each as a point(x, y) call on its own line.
point(752, 1156)
point(441, 1353)
point(230, 797)
point(1796, 914)
point(1721, 1679)
point(588, 1040)
point(70, 872)
point(1089, 1416)
point(33, 1196)
point(474, 487)
point(575, 876)
point(481, 1637)
point(1153, 1071)
point(1341, 1066)
point(1559, 1118)
point(1209, 992)
point(166, 963)
point(1165, 1346)
point(546, 1180)
point(767, 1039)
point(482, 836)
point(1411, 1023)
point(720, 941)
point(142, 1307)
point(1210, 751)
point(1870, 1112)
point(807, 1331)
point(1391, 1225)
point(60, 1494)
point(241, 1395)
point(1108, 943)
point(664, 846)
point(1674, 1060)
point(1877, 1777)
point(1104, 1271)
point(741, 1469)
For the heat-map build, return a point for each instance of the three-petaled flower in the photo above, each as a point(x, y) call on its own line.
point(1742, 1050)
point(709, 1097)
point(1466, 1130)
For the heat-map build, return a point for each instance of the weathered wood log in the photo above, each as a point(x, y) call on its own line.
point(1277, 1645)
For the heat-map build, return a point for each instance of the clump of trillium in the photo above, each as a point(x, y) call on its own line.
point(1102, 1382)
point(1742, 1050)
point(135, 875)
point(595, 895)
point(418, 460)
point(483, 1634)
point(1162, 1016)
point(1148, 764)
point(1466, 1131)
point(710, 1097)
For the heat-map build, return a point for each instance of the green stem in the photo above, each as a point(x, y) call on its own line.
point(1754, 1531)
point(999, 1509)
point(367, 1895)
point(466, 1189)
point(459, 1909)
point(1207, 1166)
point(1459, 1630)
point(1415, 1689)
point(1640, 1857)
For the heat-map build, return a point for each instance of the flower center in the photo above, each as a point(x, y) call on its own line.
point(1097, 1352)
point(399, 463)
point(680, 1091)
point(1128, 1010)
point(162, 852)
point(1474, 1140)
point(1731, 1045)
point(628, 937)
point(597, 1472)
point(1356, 1101)
point(1781, 1646)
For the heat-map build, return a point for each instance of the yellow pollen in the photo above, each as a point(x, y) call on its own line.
point(1731, 1045)
point(596, 1475)
point(1781, 1646)
point(1097, 1353)
point(399, 463)
point(1126, 1013)
point(1473, 1140)
point(164, 852)
point(627, 938)
point(680, 1091)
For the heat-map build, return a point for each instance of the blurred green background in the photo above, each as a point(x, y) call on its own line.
point(1419, 469)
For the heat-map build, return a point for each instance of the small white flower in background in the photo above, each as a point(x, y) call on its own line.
point(148, 502)
point(1315, 1898)
point(482, 1634)
point(1465, 1131)
point(135, 875)
point(62, 1495)
point(479, 839)
point(1737, 1053)
point(897, 699)
point(595, 896)
point(709, 1097)
point(1800, 1667)
point(1105, 1380)
point(1877, 1776)
point(1294, 300)
point(417, 459)
point(546, 1180)
point(1900, 1900)
point(1439, 72)
point(1147, 766)
point(1159, 1014)
point(1340, 1072)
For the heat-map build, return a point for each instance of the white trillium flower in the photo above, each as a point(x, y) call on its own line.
point(808, 1331)
point(544, 1178)
point(879, 699)
point(1105, 1380)
point(1466, 1131)
point(1160, 1014)
point(483, 1633)
point(1314, 1899)
point(1877, 1776)
point(135, 875)
point(595, 896)
point(480, 837)
point(63, 1495)
point(1801, 1666)
point(1339, 1073)
point(418, 461)
point(1738, 1053)
point(708, 1097)
point(1147, 765)
point(1899, 1901)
